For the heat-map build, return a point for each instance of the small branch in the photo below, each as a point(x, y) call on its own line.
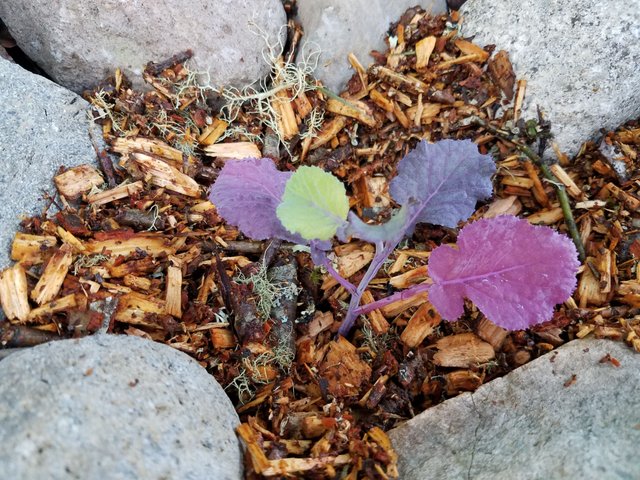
point(563, 198)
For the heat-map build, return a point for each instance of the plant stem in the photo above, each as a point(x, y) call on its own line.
point(563, 198)
point(383, 250)
point(396, 297)
point(319, 256)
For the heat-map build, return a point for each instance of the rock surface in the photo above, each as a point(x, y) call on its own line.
point(78, 43)
point(338, 27)
point(579, 57)
point(114, 407)
point(42, 127)
point(535, 423)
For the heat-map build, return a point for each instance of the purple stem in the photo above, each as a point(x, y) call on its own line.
point(403, 295)
point(383, 250)
point(326, 263)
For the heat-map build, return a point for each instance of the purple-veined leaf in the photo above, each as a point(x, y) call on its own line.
point(514, 272)
point(247, 193)
point(442, 181)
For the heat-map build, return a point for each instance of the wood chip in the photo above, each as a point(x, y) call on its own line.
point(424, 49)
point(354, 109)
point(237, 150)
point(462, 350)
point(78, 180)
point(32, 249)
point(343, 369)
point(161, 174)
point(118, 193)
point(50, 282)
point(422, 324)
point(14, 293)
point(173, 299)
point(501, 71)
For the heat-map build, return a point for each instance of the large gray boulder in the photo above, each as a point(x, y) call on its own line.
point(80, 42)
point(566, 415)
point(579, 57)
point(114, 407)
point(337, 28)
point(42, 127)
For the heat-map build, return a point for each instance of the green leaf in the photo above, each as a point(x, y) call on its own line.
point(314, 204)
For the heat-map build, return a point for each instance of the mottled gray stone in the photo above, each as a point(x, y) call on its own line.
point(114, 407)
point(4, 54)
point(80, 42)
point(579, 57)
point(42, 127)
point(529, 425)
point(338, 27)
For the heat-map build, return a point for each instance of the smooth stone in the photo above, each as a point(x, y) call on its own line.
point(42, 127)
point(116, 407)
point(535, 422)
point(580, 59)
point(338, 27)
point(80, 42)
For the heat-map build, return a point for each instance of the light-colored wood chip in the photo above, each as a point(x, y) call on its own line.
point(462, 350)
point(462, 381)
point(133, 308)
point(424, 49)
point(222, 338)
point(468, 48)
point(490, 332)
point(32, 249)
point(427, 112)
point(396, 308)
point(14, 293)
point(328, 131)
point(564, 178)
point(55, 272)
point(213, 132)
point(127, 145)
point(173, 300)
point(162, 174)
point(422, 324)
point(379, 324)
point(546, 217)
point(237, 150)
point(504, 206)
point(117, 193)
point(58, 305)
point(409, 278)
point(402, 82)
point(352, 108)
point(78, 180)
point(125, 245)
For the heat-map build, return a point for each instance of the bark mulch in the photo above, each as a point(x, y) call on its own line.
point(134, 247)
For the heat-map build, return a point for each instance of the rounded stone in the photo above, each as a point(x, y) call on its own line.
point(335, 28)
point(116, 407)
point(78, 43)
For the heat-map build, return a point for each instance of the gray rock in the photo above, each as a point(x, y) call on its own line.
point(579, 57)
point(42, 127)
point(114, 407)
point(338, 27)
point(4, 54)
point(80, 42)
point(529, 425)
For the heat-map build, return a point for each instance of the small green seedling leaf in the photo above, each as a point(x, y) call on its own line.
point(314, 204)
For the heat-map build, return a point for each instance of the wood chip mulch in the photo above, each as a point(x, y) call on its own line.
point(135, 247)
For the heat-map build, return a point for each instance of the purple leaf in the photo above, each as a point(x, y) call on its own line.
point(247, 193)
point(443, 181)
point(514, 272)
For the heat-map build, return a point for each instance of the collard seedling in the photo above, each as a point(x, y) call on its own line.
point(514, 272)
